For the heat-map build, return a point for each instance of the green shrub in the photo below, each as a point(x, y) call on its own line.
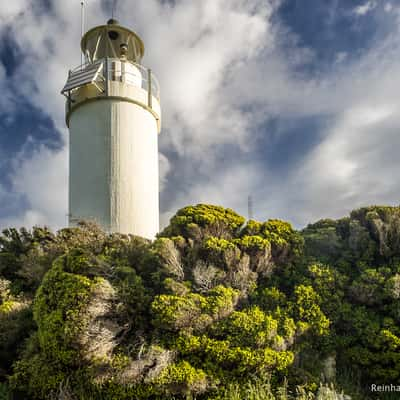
point(217, 221)
point(5, 393)
point(213, 309)
point(58, 311)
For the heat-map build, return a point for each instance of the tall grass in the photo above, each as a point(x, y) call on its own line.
point(255, 390)
point(259, 390)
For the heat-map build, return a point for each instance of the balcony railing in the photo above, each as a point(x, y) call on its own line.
point(113, 70)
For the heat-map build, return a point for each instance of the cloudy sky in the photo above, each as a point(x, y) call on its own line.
point(294, 102)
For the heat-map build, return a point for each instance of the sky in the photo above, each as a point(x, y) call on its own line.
point(293, 102)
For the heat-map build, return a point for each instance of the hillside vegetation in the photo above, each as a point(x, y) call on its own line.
point(216, 308)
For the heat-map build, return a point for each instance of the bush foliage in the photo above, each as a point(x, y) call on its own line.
point(214, 308)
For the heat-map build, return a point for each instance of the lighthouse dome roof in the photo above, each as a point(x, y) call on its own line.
point(107, 41)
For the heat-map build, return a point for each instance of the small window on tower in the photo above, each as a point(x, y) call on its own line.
point(113, 35)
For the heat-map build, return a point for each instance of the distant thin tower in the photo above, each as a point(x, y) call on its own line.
point(250, 207)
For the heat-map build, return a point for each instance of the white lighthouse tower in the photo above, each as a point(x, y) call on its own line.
point(114, 117)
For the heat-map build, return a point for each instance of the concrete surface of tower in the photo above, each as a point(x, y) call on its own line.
point(114, 117)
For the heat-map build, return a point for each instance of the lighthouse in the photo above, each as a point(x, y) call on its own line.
point(113, 114)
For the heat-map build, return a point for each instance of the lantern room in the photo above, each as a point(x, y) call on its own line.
point(112, 41)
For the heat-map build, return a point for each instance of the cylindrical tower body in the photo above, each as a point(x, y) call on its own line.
point(113, 114)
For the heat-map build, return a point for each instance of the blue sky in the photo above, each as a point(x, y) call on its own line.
point(294, 102)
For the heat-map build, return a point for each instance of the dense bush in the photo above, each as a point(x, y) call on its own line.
point(214, 308)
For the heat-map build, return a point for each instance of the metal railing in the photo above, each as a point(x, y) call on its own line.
point(115, 69)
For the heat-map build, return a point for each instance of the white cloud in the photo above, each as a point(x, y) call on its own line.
point(223, 74)
point(165, 168)
point(49, 46)
point(229, 187)
point(388, 7)
point(193, 66)
point(7, 99)
point(350, 168)
point(356, 163)
point(341, 56)
point(41, 179)
point(9, 10)
point(365, 8)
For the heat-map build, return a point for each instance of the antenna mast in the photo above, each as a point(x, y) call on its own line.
point(114, 7)
point(82, 26)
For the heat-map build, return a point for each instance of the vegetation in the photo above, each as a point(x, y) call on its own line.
point(215, 308)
